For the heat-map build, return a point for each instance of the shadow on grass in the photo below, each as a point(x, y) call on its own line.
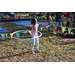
point(15, 55)
point(65, 43)
point(71, 49)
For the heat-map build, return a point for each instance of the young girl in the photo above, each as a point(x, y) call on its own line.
point(34, 33)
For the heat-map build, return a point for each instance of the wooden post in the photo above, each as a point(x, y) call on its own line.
point(53, 34)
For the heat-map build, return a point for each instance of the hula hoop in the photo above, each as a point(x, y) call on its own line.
point(24, 38)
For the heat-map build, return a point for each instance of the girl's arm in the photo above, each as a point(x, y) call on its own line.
point(29, 28)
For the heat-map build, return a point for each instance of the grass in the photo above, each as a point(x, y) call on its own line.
point(21, 14)
point(51, 50)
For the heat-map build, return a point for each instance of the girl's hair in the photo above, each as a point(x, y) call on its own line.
point(34, 21)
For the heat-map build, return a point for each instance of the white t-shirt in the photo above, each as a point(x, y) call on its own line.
point(34, 33)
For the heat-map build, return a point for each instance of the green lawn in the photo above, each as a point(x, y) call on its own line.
point(21, 14)
point(51, 50)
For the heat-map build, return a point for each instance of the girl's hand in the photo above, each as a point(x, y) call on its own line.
point(28, 28)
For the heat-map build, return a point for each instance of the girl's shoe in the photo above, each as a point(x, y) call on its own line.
point(32, 52)
point(37, 51)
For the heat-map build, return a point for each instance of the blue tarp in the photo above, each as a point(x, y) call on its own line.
point(26, 23)
point(2, 30)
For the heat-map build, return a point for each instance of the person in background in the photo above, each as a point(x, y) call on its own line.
point(49, 20)
point(73, 19)
point(59, 18)
point(68, 18)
